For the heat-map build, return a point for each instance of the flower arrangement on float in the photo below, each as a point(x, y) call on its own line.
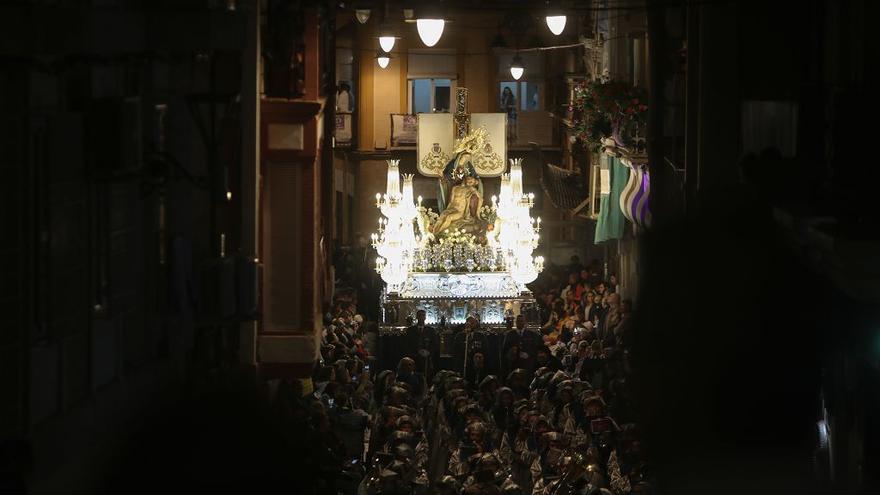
point(603, 109)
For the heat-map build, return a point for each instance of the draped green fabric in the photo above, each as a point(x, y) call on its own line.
point(611, 221)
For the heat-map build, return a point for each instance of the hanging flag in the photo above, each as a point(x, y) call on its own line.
point(611, 221)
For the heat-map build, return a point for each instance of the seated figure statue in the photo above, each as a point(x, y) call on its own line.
point(463, 210)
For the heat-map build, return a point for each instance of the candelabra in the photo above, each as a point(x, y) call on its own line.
point(395, 241)
point(516, 234)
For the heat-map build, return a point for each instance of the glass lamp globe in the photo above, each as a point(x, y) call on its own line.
point(516, 68)
point(516, 72)
point(387, 43)
point(362, 15)
point(556, 23)
point(430, 30)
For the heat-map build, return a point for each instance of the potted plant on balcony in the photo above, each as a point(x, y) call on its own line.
point(605, 110)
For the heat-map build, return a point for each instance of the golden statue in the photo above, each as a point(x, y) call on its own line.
point(461, 191)
point(463, 210)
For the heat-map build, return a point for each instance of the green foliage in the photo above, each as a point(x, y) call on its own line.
point(599, 107)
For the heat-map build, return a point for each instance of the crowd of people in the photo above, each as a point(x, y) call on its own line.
point(544, 407)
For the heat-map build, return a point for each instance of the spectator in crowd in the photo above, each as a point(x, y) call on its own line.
point(590, 308)
point(612, 283)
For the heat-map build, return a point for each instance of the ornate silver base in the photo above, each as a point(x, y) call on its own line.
point(453, 297)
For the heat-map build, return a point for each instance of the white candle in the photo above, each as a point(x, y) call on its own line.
point(408, 189)
point(516, 178)
point(505, 188)
point(393, 184)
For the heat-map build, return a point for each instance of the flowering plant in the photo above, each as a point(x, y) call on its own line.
point(607, 109)
point(458, 236)
point(488, 214)
point(458, 250)
point(425, 220)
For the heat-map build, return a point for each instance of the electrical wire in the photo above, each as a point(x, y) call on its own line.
point(536, 48)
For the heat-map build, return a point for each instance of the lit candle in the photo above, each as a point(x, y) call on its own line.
point(378, 199)
point(408, 189)
point(393, 184)
point(516, 178)
point(505, 188)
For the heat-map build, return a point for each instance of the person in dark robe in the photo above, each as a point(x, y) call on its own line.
point(526, 340)
point(544, 358)
point(423, 345)
point(476, 369)
point(406, 373)
point(469, 339)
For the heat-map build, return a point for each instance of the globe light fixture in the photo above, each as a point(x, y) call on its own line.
point(516, 68)
point(387, 43)
point(362, 15)
point(386, 36)
point(383, 59)
point(556, 23)
point(430, 30)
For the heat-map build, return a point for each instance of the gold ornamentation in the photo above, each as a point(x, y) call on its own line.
point(462, 124)
point(483, 157)
point(434, 161)
point(487, 160)
point(461, 100)
point(462, 117)
point(474, 142)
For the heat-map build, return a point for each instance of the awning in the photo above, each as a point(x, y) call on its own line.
point(567, 189)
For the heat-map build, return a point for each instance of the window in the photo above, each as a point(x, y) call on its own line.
point(524, 101)
point(520, 96)
point(431, 76)
point(430, 95)
point(516, 97)
point(346, 85)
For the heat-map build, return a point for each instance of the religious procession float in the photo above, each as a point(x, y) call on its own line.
point(473, 257)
